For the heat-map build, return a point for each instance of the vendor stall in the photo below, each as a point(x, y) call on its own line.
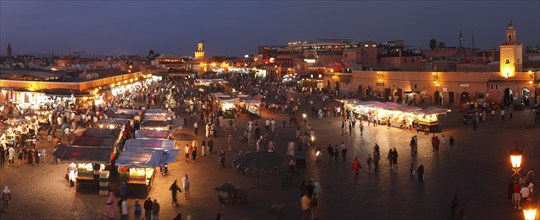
point(427, 120)
point(252, 106)
point(154, 134)
point(113, 123)
point(401, 116)
point(89, 161)
point(139, 166)
point(156, 125)
point(150, 144)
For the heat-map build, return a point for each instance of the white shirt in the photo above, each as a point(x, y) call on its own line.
point(524, 192)
point(124, 207)
point(267, 122)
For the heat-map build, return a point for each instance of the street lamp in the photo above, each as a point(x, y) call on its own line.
point(515, 159)
point(530, 214)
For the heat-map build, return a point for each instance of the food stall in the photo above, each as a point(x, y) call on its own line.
point(252, 106)
point(155, 111)
point(113, 123)
point(401, 116)
point(90, 162)
point(138, 166)
point(159, 117)
point(427, 120)
point(156, 125)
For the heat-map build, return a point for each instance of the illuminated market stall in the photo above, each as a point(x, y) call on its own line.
point(137, 164)
point(401, 116)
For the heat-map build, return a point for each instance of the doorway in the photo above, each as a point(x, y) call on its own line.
point(508, 97)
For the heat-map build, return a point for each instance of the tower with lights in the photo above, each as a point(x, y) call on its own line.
point(511, 54)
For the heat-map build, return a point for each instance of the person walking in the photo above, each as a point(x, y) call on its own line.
point(369, 162)
point(356, 166)
point(305, 202)
point(195, 127)
point(6, 198)
point(376, 157)
point(221, 158)
point(420, 172)
point(211, 145)
point(502, 114)
point(109, 212)
point(444, 142)
point(314, 203)
point(336, 153)
point(186, 152)
point(451, 142)
point(390, 157)
point(122, 189)
point(203, 147)
point(343, 151)
point(124, 209)
point(174, 189)
point(186, 184)
point(137, 210)
point(394, 157)
point(194, 154)
point(361, 126)
point(155, 210)
point(148, 205)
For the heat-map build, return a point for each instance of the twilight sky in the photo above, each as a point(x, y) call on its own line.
point(237, 27)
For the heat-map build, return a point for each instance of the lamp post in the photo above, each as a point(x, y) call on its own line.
point(516, 157)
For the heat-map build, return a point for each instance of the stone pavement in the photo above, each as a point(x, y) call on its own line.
point(476, 170)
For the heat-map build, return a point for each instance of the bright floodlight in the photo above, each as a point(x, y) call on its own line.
point(530, 214)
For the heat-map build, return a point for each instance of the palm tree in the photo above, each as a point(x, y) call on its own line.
point(433, 44)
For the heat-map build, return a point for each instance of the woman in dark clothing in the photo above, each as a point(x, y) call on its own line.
point(30, 156)
point(194, 155)
point(20, 156)
point(36, 156)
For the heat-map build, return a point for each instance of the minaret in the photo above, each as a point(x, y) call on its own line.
point(511, 54)
point(460, 37)
point(199, 53)
point(473, 40)
point(9, 51)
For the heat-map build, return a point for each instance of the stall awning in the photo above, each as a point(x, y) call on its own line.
point(158, 117)
point(71, 154)
point(150, 144)
point(94, 142)
point(113, 121)
point(433, 110)
point(155, 111)
point(122, 116)
point(127, 111)
point(98, 132)
point(146, 159)
point(153, 134)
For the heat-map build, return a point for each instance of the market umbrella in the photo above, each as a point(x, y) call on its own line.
point(259, 160)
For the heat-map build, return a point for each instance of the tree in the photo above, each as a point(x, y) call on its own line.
point(433, 44)
point(442, 45)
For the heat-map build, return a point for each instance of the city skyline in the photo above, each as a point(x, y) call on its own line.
point(234, 28)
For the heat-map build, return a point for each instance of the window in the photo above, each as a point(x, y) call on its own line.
point(480, 95)
point(507, 61)
point(491, 87)
point(497, 87)
point(414, 86)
